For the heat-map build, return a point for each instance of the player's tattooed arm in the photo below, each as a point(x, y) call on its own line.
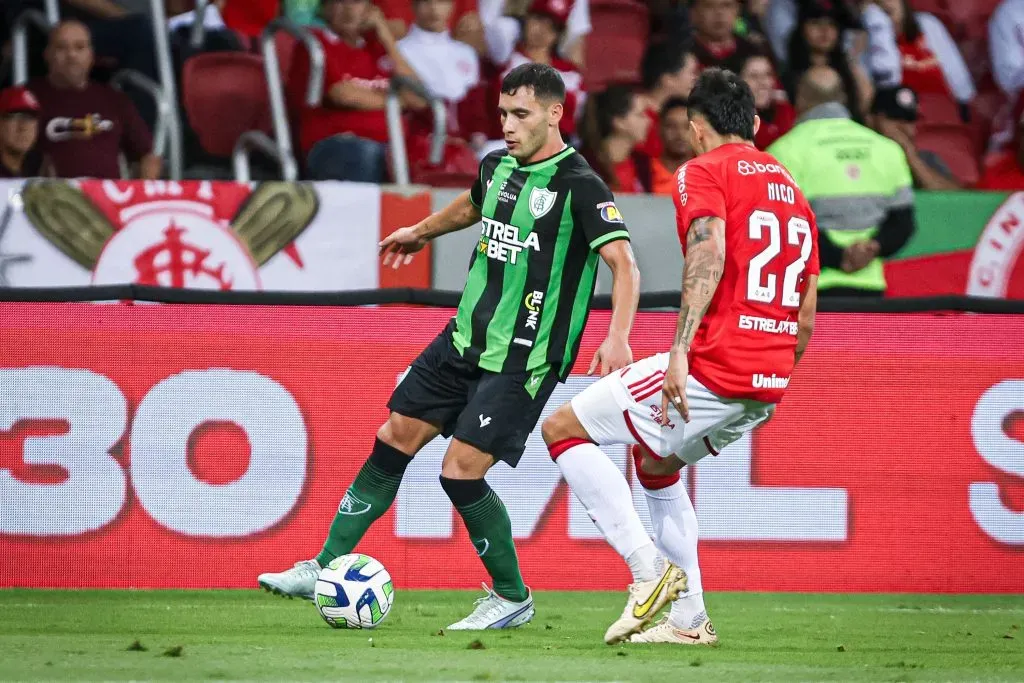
point(702, 271)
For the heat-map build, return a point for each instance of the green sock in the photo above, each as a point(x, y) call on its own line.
point(490, 530)
point(369, 497)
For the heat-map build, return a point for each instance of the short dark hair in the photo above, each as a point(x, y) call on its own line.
point(661, 59)
point(673, 103)
point(545, 80)
point(725, 100)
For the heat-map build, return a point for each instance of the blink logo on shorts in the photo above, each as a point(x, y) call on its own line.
point(501, 242)
point(760, 381)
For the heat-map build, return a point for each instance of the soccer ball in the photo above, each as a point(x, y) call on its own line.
point(354, 591)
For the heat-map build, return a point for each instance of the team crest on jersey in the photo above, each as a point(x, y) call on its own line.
point(541, 201)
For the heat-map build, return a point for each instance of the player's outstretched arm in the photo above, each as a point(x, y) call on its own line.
point(702, 271)
point(614, 353)
point(805, 321)
point(404, 242)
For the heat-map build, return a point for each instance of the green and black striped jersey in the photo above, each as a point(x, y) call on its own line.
point(531, 280)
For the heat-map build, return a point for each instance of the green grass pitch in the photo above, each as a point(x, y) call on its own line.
point(210, 635)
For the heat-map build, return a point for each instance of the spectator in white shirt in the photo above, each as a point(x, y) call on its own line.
point(1006, 46)
point(447, 67)
point(503, 28)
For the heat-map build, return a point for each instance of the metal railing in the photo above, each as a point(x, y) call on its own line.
point(19, 39)
point(199, 23)
point(279, 147)
point(396, 129)
point(163, 132)
point(162, 46)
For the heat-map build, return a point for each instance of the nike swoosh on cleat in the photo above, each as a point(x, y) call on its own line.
point(640, 611)
point(687, 635)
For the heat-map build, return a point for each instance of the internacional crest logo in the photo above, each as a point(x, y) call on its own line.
point(171, 234)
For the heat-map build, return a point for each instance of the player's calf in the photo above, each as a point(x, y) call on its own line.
point(490, 530)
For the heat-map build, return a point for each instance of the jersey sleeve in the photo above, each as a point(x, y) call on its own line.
point(594, 212)
point(483, 176)
point(699, 194)
point(813, 265)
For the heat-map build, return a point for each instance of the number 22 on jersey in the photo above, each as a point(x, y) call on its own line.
point(764, 287)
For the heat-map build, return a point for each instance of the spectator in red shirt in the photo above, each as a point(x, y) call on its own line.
point(87, 125)
point(931, 61)
point(777, 114)
point(714, 27)
point(667, 71)
point(344, 136)
point(19, 126)
point(614, 124)
point(675, 145)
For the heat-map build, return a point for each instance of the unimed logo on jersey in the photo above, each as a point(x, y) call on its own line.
point(772, 381)
point(501, 242)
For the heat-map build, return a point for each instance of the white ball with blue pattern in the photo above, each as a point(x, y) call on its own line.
point(354, 591)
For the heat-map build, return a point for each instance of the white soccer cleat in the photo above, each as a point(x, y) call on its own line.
point(494, 611)
point(665, 632)
point(646, 599)
point(297, 582)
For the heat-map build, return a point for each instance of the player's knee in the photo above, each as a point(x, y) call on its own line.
point(560, 425)
point(562, 431)
point(653, 473)
point(402, 433)
point(465, 463)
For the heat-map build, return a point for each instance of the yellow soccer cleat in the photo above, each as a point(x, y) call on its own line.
point(664, 632)
point(646, 599)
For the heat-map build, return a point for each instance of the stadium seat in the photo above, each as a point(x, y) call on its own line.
point(956, 145)
point(938, 108)
point(616, 42)
point(284, 44)
point(225, 95)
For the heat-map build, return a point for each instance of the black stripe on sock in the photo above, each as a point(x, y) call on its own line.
point(388, 459)
point(464, 492)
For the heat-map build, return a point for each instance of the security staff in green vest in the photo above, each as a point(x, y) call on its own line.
point(858, 182)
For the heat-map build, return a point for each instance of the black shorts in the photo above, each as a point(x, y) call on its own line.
point(494, 412)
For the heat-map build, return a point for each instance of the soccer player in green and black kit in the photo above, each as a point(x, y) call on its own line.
point(485, 379)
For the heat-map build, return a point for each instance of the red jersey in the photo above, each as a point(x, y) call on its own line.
point(921, 70)
point(745, 345)
point(367, 64)
point(652, 146)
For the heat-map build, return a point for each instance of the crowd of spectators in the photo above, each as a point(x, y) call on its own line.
point(900, 63)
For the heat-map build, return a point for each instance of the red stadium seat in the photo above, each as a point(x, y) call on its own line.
point(284, 44)
point(938, 108)
point(616, 42)
point(956, 145)
point(225, 95)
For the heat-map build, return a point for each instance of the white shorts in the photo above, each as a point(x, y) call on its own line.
point(625, 408)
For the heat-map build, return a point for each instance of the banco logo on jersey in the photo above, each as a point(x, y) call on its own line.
point(501, 242)
point(744, 167)
point(772, 381)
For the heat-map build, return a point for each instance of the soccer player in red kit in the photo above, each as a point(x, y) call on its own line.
point(749, 294)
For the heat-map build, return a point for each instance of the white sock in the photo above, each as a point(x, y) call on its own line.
point(675, 533)
point(602, 489)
